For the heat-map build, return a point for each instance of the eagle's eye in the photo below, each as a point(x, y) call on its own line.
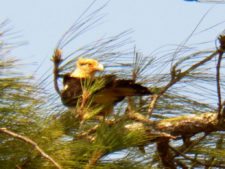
point(82, 64)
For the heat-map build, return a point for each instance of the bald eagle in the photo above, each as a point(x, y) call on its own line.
point(81, 85)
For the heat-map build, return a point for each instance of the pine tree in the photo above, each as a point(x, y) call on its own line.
point(180, 126)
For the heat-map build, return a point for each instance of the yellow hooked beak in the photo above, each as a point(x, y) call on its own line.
point(100, 67)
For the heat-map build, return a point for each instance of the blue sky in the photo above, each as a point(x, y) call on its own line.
point(155, 22)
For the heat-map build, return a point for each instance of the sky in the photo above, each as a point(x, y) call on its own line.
point(155, 23)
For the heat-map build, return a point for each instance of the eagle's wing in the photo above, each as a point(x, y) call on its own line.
point(105, 94)
point(72, 90)
point(114, 90)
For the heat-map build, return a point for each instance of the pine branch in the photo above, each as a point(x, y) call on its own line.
point(165, 154)
point(152, 104)
point(218, 84)
point(29, 141)
point(94, 159)
point(192, 143)
point(56, 58)
point(176, 76)
point(221, 52)
point(195, 160)
point(190, 125)
point(172, 127)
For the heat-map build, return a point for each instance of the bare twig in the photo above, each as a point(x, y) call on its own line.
point(186, 157)
point(190, 125)
point(180, 75)
point(29, 141)
point(193, 143)
point(165, 154)
point(56, 58)
point(94, 159)
point(18, 167)
point(138, 117)
point(152, 104)
point(221, 51)
point(181, 164)
point(194, 160)
point(218, 83)
point(87, 133)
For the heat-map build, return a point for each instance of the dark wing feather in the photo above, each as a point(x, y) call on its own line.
point(111, 92)
point(116, 90)
point(72, 90)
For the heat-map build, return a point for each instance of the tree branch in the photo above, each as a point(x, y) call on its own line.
point(185, 148)
point(29, 141)
point(218, 84)
point(56, 58)
point(152, 104)
point(165, 155)
point(186, 157)
point(195, 160)
point(94, 159)
point(190, 125)
point(176, 76)
point(221, 51)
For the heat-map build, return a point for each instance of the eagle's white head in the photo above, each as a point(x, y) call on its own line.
point(86, 68)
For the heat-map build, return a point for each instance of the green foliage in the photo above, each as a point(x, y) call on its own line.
point(115, 141)
point(21, 107)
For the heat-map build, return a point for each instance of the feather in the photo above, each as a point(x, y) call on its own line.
point(103, 91)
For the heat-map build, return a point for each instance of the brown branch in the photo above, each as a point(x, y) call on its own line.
point(221, 51)
point(94, 159)
point(56, 58)
point(181, 164)
point(222, 42)
point(176, 77)
point(195, 160)
point(152, 104)
point(190, 125)
point(88, 133)
point(218, 83)
point(186, 157)
point(18, 167)
point(29, 141)
point(185, 148)
point(183, 74)
point(165, 154)
point(165, 129)
point(132, 115)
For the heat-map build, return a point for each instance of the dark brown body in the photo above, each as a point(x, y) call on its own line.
point(107, 90)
